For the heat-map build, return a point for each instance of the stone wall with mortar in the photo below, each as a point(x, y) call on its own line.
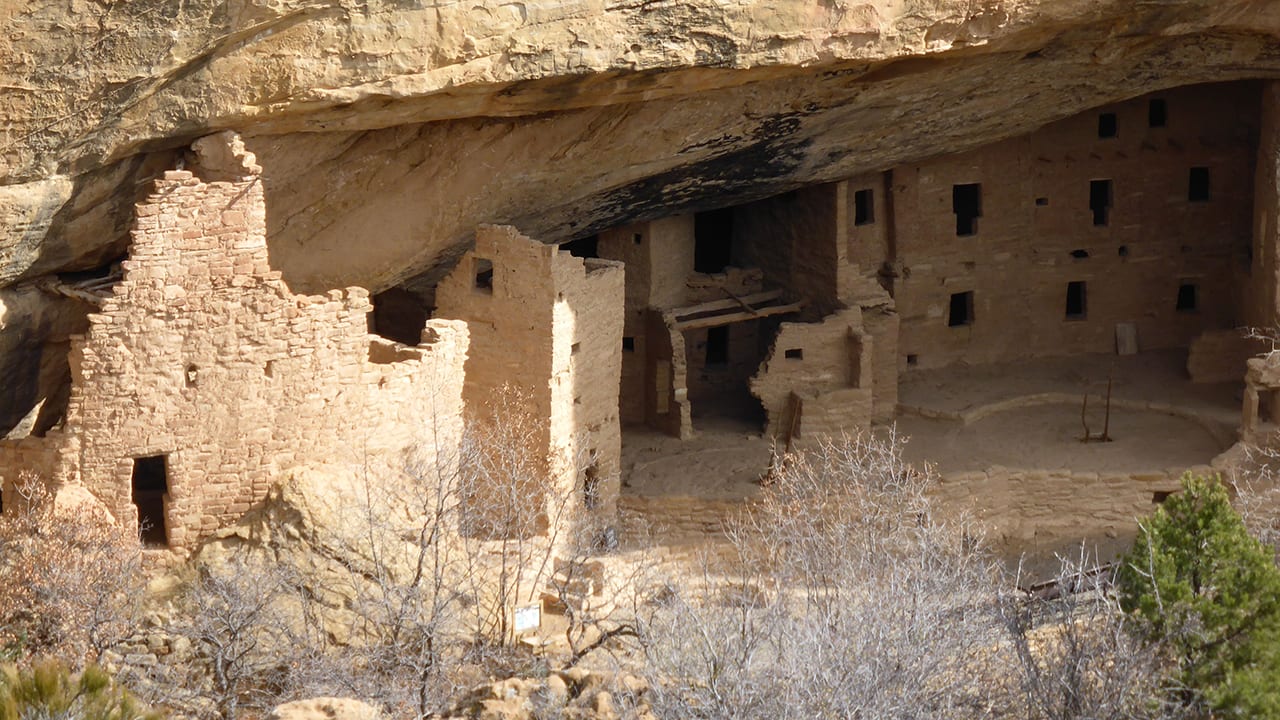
point(203, 356)
point(1036, 232)
point(550, 326)
point(822, 369)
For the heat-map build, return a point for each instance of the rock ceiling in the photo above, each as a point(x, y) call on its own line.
point(390, 128)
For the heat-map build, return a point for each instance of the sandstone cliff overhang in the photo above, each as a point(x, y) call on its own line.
point(562, 118)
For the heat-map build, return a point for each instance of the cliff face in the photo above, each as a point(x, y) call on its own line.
point(389, 128)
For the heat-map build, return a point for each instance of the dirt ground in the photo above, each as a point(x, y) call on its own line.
point(1005, 439)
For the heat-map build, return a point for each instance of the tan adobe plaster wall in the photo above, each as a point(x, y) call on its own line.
point(1019, 262)
point(549, 325)
point(202, 354)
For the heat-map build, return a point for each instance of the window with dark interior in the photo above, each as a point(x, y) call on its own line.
point(1188, 297)
point(712, 240)
point(1077, 300)
point(484, 275)
point(1100, 194)
point(960, 312)
point(864, 207)
point(150, 484)
point(1108, 126)
point(966, 203)
point(1157, 113)
point(1198, 185)
point(718, 345)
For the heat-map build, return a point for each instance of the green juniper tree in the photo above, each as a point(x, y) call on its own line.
point(47, 690)
point(1210, 592)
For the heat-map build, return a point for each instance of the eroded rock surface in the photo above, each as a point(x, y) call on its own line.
point(388, 130)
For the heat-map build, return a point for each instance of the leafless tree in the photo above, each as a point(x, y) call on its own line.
point(1077, 655)
point(849, 597)
point(240, 634)
point(71, 581)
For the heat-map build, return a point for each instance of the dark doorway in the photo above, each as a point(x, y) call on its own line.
point(1100, 201)
point(1198, 185)
point(1188, 298)
point(961, 310)
point(864, 207)
point(713, 240)
point(1108, 126)
point(966, 203)
point(1157, 113)
point(150, 485)
point(1077, 300)
point(718, 345)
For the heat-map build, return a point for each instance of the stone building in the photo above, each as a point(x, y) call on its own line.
point(546, 327)
point(201, 378)
point(1142, 226)
point(1127, 228)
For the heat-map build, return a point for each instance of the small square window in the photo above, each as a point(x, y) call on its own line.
point(960, 312)
point(1042, 202)
point(637, 238)
point(628, 344)
point(794, 354)
point(864, 207)
point(1108, 126)
point(913, 359)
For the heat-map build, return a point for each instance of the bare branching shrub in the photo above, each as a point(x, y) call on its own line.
point(240, 635)
point(1078, 655)
point(71, 583)
point(850, 597)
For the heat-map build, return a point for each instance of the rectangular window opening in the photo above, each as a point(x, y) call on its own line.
point(1198, 185)
point(1076, 300)
point(961, 311)
point(913, 359)
point(1100, 194)
point(1188, 297)
point(718, 345)
point(966, 203)
point(864, 207)
point(712, 240)
point(1108, 125)
point(628, 344)
point(1157, 113)
point(484, 274)
point(150, 485)
point(794, 354)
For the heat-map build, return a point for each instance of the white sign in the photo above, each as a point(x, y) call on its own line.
point(528, 618)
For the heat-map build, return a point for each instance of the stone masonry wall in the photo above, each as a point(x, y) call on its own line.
point(203, 356)
point(1036, 232)
point(548, 325)
point(827, 365)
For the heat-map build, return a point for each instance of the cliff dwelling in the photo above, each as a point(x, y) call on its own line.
point(1087, 281)
point(1025, 244)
